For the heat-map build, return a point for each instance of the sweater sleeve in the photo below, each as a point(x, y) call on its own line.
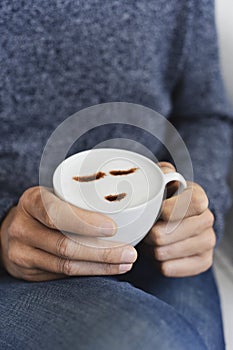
point(7, 201)
point(10, 184)
point(8, 197)
point(201, 112)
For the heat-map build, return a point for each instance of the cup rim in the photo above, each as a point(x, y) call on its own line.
point(126, 152)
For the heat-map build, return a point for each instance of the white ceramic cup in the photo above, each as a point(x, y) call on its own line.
point(135, 181)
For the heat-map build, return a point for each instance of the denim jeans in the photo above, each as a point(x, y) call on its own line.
point(138, 310)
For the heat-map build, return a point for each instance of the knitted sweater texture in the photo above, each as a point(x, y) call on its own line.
point(59, 56)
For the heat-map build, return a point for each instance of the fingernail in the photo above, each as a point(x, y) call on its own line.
point(108, 228)
point(124, 267)
point(128, 255)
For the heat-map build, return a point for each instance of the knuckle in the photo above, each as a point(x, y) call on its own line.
point(208, 241)
point(212, 240)
point(160, 254)
point(209, 218)
point(199, 199)
point(17, 230)
point(62, 246)
point(171, 166)
point(107, 255)
point(165, 269)
point(65, 267)
point(14, 229)
point(158, 238)
point(11, 254)
point(29, 196)
point(16, 257)
point(167, 165)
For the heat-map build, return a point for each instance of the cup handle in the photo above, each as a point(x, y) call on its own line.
point(176, 177)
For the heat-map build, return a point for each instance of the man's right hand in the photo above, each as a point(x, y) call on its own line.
point(34, 249)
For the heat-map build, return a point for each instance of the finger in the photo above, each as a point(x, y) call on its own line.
point(164, 233)
point(166, 167)
point(172, 186)
point(67, 267)
point(54, 213)
point(188, 247)
point(192, 201)
point(30, 258)
point(78, 247)
point(33, 275)
point(189, 266)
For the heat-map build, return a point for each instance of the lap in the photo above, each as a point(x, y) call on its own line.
point(89, 313)
point(195, 298)
point(138, 309)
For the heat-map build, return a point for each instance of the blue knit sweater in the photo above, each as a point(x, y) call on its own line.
point(59, 56)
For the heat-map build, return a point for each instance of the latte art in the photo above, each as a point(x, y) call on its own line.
point(121, 184)
point(122, 172)
point(87, 178)
point(115, 197)
point(108, 181)
point(100, 175)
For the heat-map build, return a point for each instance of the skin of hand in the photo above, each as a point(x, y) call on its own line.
point(182, 243)
point(34, 249)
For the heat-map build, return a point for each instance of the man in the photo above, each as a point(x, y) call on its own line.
point(59, 57)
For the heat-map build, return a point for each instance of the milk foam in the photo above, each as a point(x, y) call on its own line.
point(138, 187)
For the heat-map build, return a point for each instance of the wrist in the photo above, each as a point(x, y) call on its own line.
point(3, 232)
